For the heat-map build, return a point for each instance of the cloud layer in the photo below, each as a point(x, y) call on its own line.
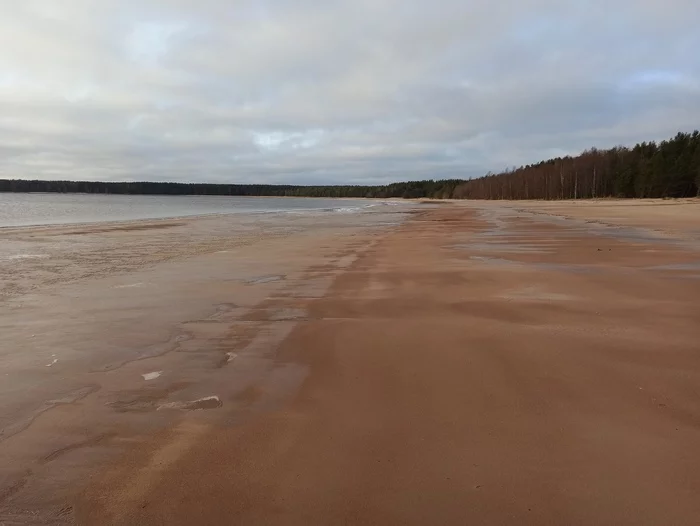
point(295, 91)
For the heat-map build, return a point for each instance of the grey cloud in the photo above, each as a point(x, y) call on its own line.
point(341, 91)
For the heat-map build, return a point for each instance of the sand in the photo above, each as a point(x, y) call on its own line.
point(479, 363)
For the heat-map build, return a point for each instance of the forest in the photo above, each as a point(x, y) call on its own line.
point(670, 168)
point(407, 190)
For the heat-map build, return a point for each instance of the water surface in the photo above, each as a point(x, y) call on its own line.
point(18, 209)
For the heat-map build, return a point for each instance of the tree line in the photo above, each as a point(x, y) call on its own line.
point(407, 190)
point(670, 168)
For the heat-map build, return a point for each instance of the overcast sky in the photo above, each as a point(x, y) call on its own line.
point(335, 91)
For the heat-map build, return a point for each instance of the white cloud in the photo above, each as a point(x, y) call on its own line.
point(339, 91)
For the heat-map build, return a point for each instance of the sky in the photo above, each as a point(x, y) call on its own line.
point(334, 92)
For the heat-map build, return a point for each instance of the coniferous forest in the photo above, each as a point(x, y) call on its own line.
point(670, 168)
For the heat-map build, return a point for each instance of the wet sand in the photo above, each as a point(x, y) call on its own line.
point(480, 363)
point(111, 331)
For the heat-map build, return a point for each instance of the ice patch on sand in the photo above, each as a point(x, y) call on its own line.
point(208, 402)
point(265, 279)
point(26, 256)
point(129, 286)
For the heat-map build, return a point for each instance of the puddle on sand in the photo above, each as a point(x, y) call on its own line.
point(494, 261)
point(288, 314)
point(567, 267)
point(504, 248)
point(501, 221)
point(534, 293)
point(208, 402)
point(278, 314)
point(559, 267)
point(695, 265)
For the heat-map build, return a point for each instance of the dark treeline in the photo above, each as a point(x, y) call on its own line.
point(413, 189)
point(668, 169)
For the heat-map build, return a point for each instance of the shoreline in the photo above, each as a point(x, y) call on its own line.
point(115, 353)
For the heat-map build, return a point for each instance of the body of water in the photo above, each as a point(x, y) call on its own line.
point(17, 209)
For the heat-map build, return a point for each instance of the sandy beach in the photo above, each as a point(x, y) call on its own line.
point(468, 363)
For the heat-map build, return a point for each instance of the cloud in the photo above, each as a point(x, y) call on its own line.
point(336, 92)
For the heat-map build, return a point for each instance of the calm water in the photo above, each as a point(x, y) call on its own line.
point(52, 209)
